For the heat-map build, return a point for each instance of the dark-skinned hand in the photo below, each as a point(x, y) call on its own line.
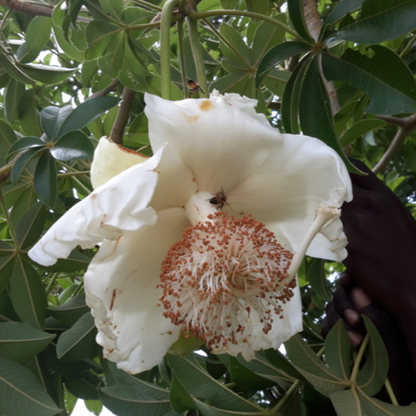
point(381, 278)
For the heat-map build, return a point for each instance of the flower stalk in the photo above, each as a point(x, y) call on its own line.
point(198, 57)
point(182, 58)
point(165, 23)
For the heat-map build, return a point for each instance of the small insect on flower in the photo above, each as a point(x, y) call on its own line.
point(218, 199)
point(194, 87)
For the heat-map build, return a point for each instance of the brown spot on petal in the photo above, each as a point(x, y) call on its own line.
point(192, 119)
point(124, 149)
point(206, 105)
point(113, 298)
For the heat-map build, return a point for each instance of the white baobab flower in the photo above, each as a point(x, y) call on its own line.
point(207, 235)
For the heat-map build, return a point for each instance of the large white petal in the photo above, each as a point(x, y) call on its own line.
point(121, 291)
point(176, 182)
point(285, 193)
point(222, 139)
point(281, 331)
point(121, 204)
point(110, 159)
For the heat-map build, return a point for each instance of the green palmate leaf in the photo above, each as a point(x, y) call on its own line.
point(112, 61)
point(276, 81)
point(23, 160)
point(46, 180)
point(14, 70)
point(132, 59)
point(114, 8)
point(376, 407)
point(380, 21)
point(279, 362)
point(258, 6)
point(30, 226)
point(75, 262)
point(89, 69)
point(229, 4)
point(86, 112)
point(67, 47)
point(6, 268)
point(340, 10)
point(99, 34)
point(385, 78)
point(22, 202)
point(71, 311)
point(94, 406)
point(20, 342)
point(7, 312)
point(7, 138)
point(338, 351)
point(180, 399)
point(236, 43)
point(74, 370)
point(372, 376)
point(265, 369)
point(291, 98)
point(237, 82)
point(38, 33)
point(78, 342)
point(139, 130)
point(199, 383)
point(297, 17)
point(346, 403)
point(185, 345)
point(86, 388)
point(360, 128)
point(278, 54)
point(14, 92)
point(317, 279)
point(28, 294)
point(208, 410)
point(245, 377)
point(53, 118)
point(74, 8)
point(48, 74)
point(22, 392)
point(353, 402)
point(72, 146)
point(311, 367)
point(28, 114)
point(23, 56)
point(315, 112)
point(26, 143)
point(126, 400)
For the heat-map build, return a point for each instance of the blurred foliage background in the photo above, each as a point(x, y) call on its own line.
point(342, 71)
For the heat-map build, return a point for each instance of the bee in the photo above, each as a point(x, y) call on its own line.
point(194, 87)
point(218, 199)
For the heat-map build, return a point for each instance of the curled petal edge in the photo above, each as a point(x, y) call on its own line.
point(100, 216)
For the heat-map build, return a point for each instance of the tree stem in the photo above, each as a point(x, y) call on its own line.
point(123, 115)
point(406, 125)
point(32, 8)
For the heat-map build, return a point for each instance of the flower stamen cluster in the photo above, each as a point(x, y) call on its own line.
point(219, 273)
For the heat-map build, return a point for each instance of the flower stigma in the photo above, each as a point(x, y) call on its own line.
point(222, 270)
